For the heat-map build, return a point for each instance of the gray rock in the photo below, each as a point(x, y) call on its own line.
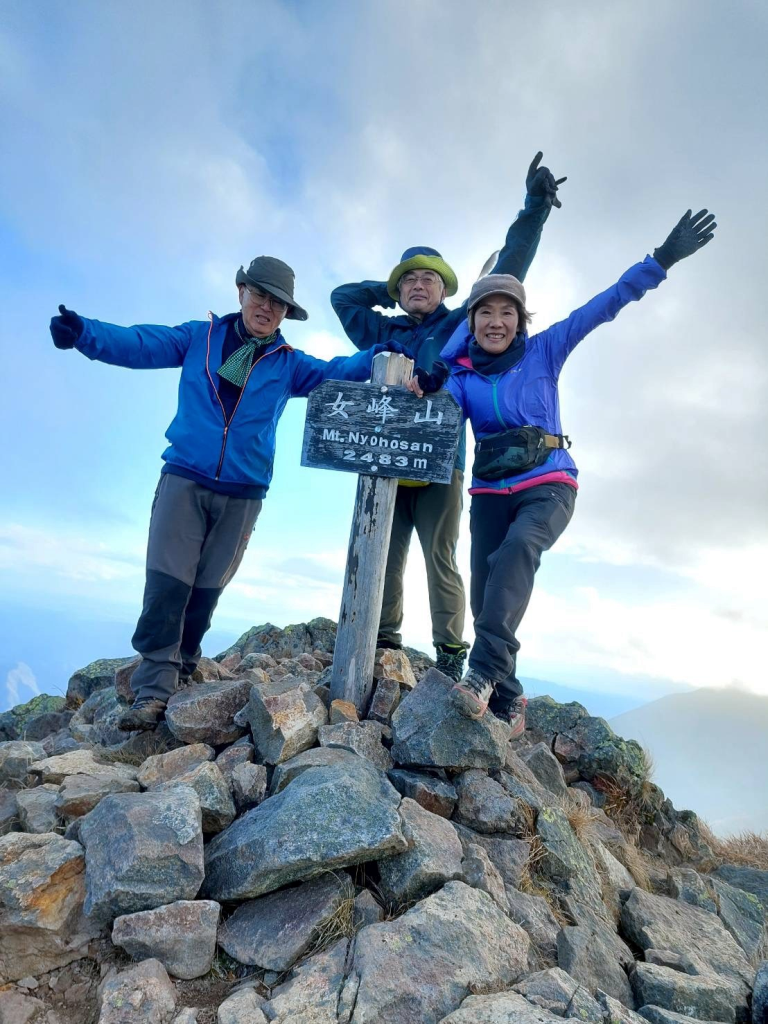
point(687, 885)
point(427, 730)
point(520, 782)
point(41, 901)
point(95, 676)
point(243, 1007)
point(457, 940)
point(15, 758)
point(363, 738)
point(181, 935)
point(706, 997)
point(504, 1008)
point(141, 745)
point(749, 879)
point(122, 680)
point(318, 757)
point(743, 916)
point(483, 804)
point(327, 818)
point(143, 850)
point(596, 798)
point(367, 910)
point(658, 1015)
point(534, 914)
point(35, 720)
point(565, 860)
point(687, 963)
point(59, 743)
point(385, 700)
point(274, 931)
point(249, 785)
point(478, 870)
point(612, 869)
point(16, 1008)
point(239, 753)
point(593, 954)
point(433, 858)
point(141, 995)
point(394, 665)
point(37, 809)
point(79, 762)
point(216, 803)
point(760, 995)
point(313, 988)
point(161, 768)
point(284, 717)
point(657, 922)
point(188, 1015)
point(559, 993)
point(9, 812)
point(433, 794)
point(205, 713)
point(317, 635)
point(96, 720)
point(615, 1012)
point(508, 856)
point(546, 768)
point(79, 794)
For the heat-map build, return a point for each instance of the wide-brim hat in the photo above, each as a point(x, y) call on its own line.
point(421, 257)
point(496, 284)
point(276, 279)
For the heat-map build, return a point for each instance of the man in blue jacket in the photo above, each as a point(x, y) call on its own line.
point(419, 283)
point(237, 374)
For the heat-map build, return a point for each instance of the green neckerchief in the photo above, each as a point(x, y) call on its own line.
point(238, 366)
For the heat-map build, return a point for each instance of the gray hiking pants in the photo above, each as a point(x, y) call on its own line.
point(435, 512)
point(197, 539)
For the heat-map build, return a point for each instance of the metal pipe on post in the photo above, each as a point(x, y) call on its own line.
point(355, 651)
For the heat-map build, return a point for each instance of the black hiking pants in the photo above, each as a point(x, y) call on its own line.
point(509, 533)
point(197, 539)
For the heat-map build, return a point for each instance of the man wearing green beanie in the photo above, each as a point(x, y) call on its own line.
point(420, 283)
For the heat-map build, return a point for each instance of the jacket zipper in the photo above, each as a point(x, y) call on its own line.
point(499, 417)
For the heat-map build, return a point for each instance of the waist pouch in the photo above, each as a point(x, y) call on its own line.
point(515, 451)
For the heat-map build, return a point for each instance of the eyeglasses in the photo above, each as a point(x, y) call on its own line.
point(260, 298)
point(429, 278)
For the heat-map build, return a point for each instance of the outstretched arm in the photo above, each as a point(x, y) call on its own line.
point(308, 372)
point(143, 347)
point(353, 305)
point(688, 236)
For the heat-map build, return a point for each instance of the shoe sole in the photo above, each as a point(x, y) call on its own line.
point(467, 704)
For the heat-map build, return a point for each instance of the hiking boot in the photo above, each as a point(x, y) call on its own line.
point(387, 645)
point(470, 696)
point(514, 716)
point(144, 713)
point(450, 660)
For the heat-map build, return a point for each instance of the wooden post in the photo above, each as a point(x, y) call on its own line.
point(355, 651)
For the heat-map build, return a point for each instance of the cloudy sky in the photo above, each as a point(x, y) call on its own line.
point(150, 149)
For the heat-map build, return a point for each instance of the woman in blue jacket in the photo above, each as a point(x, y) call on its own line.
point(524, 480)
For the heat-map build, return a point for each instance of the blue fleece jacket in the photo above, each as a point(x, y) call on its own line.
point(237, 450)
point(527, 392)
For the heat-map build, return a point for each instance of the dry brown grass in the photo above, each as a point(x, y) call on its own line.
point(582, 816)
point(634, 861)
point(746, 849)
point(112, 756)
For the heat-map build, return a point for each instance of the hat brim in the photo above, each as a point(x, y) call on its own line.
point(436, 263)
point(295, 311)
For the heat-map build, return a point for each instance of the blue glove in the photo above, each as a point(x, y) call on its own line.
point(431, 382)
point(540, 181)
point(66, 328)
point(390, 346)
point(686, 238)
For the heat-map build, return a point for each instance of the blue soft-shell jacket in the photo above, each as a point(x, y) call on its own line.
point(242, 450)
point(527, 392)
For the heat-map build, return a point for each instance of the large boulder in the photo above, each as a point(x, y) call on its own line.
point(421, 966)
point(79, 762)
point(16, 756)
point(140, 995)
point(205, 713)
point(42, 888)
point(284, 717)
point(707, 997)
point(95, 676)
point(317, 635)
point(143, 850)
point(34, 720)
point(326, 818)
point(317, 757)
point(434, 856)
point(181, 935)
point(274, 931)
point(427, 730)
point(79, 794)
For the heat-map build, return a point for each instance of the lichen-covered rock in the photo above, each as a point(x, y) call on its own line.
point(427, 730)
point(432, 794)
point(37, 809)
point(205, 713)
point(161, 768)
point(327, 818)
point(743, 916)
point(395, 665)
point(687, 885)
point(749, 879)
point(181, 935)
point(216, 804)
point(274, 931)
point(565, 861)
point(422, 965)
point(95, 676)
point(143, 850)
point(478, 870)
point(16, 756)
point(140, 995)
point(317, 757)
point(41, 900)
point(284, 717)
point(79, 762)
point(433, 858)
point(705, 997)
point(363, 738)
point(79, 794)
point(34, 720)
point(559, 993)
point(313, 988)
point(535, 916)
point(546, 768)
point(386, 697)
point(317, 634)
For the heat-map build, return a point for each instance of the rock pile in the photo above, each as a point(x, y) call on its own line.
point(267, 855)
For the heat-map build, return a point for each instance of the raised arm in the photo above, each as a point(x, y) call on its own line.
point(143, 347)
point(353, 305)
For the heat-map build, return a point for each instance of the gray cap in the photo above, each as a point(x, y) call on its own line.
point(496, 284)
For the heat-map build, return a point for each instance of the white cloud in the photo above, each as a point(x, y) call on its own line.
point(20, 678)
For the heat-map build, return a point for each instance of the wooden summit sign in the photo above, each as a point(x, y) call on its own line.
point(381, 429)
point(384, 433)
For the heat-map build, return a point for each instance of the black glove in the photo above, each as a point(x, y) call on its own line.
point(390, 346)
point(686, 238)
point(67, 328)
point(540, 181)
point(431, 382)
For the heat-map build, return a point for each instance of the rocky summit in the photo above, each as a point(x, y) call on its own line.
point(269, 856)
